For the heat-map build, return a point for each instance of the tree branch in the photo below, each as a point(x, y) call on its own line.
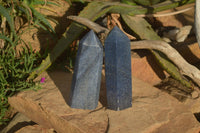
point(165, 14)
point(197, 20)
point(184, 67)
point(90, 24)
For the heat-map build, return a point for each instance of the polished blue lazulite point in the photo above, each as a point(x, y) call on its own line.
point(87, 73)
point(118, 70)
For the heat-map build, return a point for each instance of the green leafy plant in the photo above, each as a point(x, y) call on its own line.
point(26, 9)
point(16, 63)
point(14, 70)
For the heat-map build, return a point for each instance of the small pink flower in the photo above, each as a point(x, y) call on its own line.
point(42, 80)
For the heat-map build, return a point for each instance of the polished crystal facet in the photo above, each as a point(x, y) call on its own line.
point(87, 73)
point(118, 70)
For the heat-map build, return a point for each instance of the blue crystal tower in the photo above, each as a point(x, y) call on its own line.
point(87, 73)
point(118, 70)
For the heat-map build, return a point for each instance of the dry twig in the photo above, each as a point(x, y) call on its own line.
point(197, 20)
point(165, 14)
point(184, 67)
point(91, 25)
point(97, 28)
point(115, 17)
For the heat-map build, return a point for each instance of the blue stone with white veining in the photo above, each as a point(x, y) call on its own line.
point(87, 73)
point(118, 70)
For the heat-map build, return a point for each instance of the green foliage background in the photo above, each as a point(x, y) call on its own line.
point(16, 65)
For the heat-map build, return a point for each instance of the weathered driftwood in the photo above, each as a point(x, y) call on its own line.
point(197, 20)
point(184, 67)
point(101, 31)
point(166, 14)
point(90, 24)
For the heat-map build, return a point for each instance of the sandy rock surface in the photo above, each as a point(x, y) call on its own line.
point(153, 111)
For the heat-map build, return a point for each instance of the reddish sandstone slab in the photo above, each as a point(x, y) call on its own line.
point(153, 111)
point(48, 108)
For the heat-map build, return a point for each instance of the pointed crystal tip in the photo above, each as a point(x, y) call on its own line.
point(89, 38)
point(117, 34)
